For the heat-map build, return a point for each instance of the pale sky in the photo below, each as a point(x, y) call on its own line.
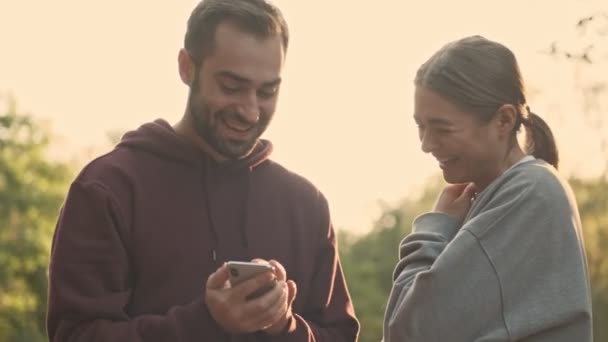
point(344, 119)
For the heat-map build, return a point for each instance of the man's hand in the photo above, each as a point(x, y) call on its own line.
point(285, 312)
point(455, 200)
point(237, 315)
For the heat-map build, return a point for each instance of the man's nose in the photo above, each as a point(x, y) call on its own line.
point(250, 109)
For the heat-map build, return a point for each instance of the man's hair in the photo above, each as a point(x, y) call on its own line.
point(258, 17)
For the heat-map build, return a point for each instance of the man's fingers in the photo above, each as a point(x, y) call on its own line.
point(292, 291)
point(259, 261)
point(279, 270)
point(272, 263)
point(255, 309)
point(249, 286)
point(271, 306)
point(218, 278)
point(277, 313)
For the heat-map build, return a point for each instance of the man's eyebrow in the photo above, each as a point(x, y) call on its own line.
point(233, 76)
point(272, 83)
point(238, 78)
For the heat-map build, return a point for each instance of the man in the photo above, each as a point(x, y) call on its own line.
point(141, 242)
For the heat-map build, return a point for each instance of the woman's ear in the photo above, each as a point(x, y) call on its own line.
point(506, 120)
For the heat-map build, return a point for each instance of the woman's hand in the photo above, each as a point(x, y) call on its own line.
point(455, 200)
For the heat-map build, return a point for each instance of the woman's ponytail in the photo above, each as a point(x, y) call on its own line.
point(539, 139)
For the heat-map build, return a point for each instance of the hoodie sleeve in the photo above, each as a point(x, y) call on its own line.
point(90, 276)
point(329, 315)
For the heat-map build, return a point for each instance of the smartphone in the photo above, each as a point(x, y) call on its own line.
point(243, 270)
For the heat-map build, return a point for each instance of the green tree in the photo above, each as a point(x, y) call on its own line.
point(592, 198)
point(31, 192)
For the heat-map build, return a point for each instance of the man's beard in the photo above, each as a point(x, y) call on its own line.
point(206, 122)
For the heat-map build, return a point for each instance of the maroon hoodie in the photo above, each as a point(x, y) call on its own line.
point(145, 225)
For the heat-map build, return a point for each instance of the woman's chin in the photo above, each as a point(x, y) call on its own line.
point(454, 178)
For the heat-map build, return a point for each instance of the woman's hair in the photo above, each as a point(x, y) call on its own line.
point(480, 76)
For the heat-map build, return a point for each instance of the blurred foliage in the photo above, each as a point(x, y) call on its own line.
point(592, 198)
point(591, 30)
point(588, 54)
point(31, 192)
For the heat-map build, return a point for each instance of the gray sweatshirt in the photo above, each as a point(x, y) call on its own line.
point(515, 270)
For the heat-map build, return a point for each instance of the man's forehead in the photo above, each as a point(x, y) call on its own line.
point(229, 32)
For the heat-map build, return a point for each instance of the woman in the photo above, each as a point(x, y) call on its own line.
point(501, 257)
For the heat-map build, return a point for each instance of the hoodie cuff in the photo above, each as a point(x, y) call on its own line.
point(438, 223)
point(198, 316)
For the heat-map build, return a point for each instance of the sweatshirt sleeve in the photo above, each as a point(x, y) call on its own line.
point(445, 287)
point(329, 315)
point(90, 276)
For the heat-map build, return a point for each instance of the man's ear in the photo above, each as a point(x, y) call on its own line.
point(187, 67)
point(506, 119)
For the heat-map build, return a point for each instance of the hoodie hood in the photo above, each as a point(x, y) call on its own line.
point(226, 185)
point(160, 139)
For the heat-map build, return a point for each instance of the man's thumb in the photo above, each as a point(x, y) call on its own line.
point(218, 278)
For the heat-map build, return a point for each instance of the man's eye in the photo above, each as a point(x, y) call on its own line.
point(267, 93)
point(230, 90)
point(443, 130)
